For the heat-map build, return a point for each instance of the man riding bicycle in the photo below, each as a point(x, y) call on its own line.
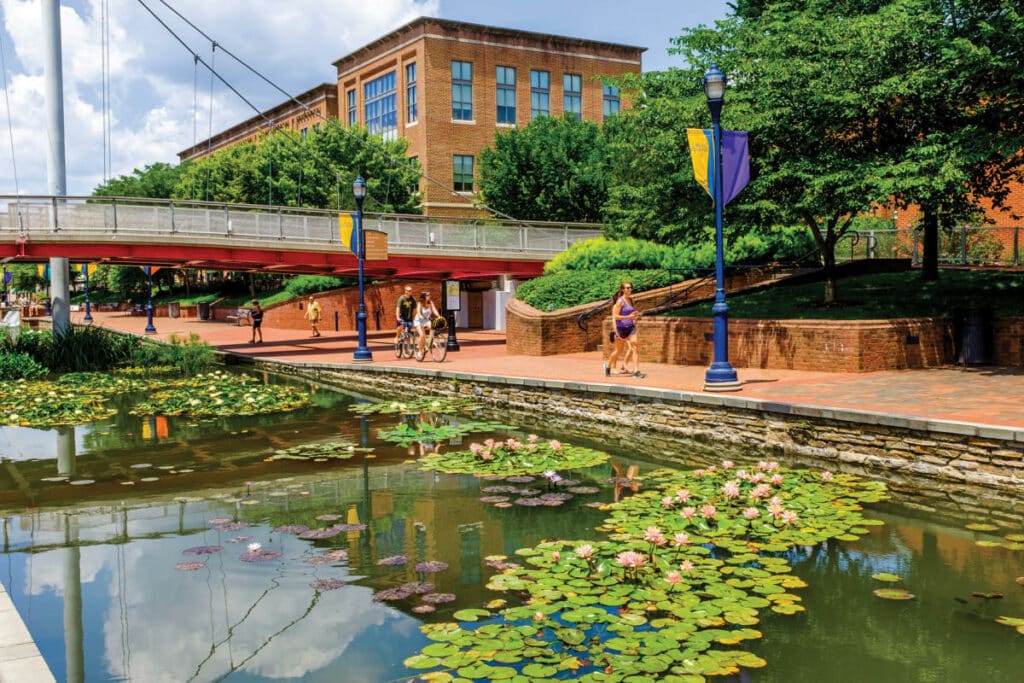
point(405, 310)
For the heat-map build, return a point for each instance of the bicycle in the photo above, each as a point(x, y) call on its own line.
point(437, 343)
point(405, 345)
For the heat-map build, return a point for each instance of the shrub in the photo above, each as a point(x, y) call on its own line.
point(311, 284)
point(77, 349)
point(20, 366)
point(574, 287)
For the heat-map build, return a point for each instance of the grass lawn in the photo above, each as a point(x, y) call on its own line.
point(886, 295)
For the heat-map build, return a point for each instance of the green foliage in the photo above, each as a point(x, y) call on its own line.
point(154, 180)
point(190, 356)
point(605, 254)
point(552, 169)
point(25, 277)
point(127, 282)
point(20, 366)
point(302, 285)
point(568, 288)
point(77, 349)
point(315, 170)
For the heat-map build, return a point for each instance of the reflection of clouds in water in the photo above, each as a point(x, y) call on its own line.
point(45, 572)
point(170, 613)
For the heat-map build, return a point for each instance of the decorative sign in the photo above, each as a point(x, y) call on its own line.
point(452, 295)
point(376, 243)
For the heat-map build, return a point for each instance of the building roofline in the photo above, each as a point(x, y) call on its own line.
point(497, 30)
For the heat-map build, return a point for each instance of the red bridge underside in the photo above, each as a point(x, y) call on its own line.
point(338, 263)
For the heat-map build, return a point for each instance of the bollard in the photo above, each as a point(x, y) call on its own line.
point(336, 328)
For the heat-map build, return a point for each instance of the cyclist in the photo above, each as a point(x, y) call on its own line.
point(426, 311)
point(405, 311)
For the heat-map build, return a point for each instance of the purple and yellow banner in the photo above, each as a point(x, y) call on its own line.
point(346, 230)
point(735, 161)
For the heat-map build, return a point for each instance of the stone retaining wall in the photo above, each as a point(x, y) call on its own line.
point(890, 448)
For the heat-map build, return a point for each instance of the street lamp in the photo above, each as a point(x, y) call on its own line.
point(362, 354)
point(150, 329)
point(720, 376)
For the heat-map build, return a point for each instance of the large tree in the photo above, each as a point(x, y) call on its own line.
point(552, 169)
point(837, 97)
point(155, 180)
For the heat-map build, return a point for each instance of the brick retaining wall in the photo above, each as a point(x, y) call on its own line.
point(891, 448)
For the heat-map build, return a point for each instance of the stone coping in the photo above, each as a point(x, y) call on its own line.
point(866, 417)
point(19, 657)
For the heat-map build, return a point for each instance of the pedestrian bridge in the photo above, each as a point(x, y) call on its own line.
point(207, 235)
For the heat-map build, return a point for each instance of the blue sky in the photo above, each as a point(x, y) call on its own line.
point(159, 104)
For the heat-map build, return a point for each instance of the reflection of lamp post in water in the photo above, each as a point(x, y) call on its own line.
point(74, 653)
point(364, 440)
point(66, 450)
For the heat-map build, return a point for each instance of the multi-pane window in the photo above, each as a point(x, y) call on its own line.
point(506, 94)
point(611, 100)
point(463, 179)
point(351, 95)
point(412, 113)
point(380, 106)
point(540, 93)
point(572, 88)
point(462, 91)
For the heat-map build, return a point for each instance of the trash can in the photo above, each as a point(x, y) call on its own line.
point(204, 310)
point(975, 336)
point(173, 309)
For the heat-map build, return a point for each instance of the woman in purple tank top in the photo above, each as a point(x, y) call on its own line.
point(624, 315)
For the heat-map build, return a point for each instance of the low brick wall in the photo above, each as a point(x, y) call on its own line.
point(1008, 342)
point(657, 423)
point(840, 346)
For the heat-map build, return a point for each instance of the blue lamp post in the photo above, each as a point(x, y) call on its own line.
point(362, 354)
point(150, 329)
point(88, 313)
point(720, 376)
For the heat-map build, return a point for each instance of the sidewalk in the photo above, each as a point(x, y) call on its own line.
point(985, 395)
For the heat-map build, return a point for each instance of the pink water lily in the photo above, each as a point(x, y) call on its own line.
point(757, 477)
point(708, 510)
point(776, 479)
point(653, 535)
point(673, 578)
point(585, 551)
point(789, 517)
point(686, 567)
point(475, 448)
point(727, 464)
point(731, 489)
point(555, 445)
point(751, 513)
point(556, 556)
point(826, 475)
point(760, 491)
point(532, 438)
point(679, 540)
point(683, 495)
point(667, 502)
point(688, 512)
point(631, 559)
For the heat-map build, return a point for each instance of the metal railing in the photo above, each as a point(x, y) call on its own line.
point(963, 245)
point(127, 216)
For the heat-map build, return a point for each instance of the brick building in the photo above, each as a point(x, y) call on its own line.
point(448, 87)
point(321, 101)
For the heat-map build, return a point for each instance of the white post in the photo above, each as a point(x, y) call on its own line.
point(56, 173)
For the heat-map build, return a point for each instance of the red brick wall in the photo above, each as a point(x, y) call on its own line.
point(850, 346)
point(1009, 342)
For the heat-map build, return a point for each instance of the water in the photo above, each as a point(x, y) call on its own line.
point(92, 568)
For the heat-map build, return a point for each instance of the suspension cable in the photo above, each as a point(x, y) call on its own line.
point(394, 161)
point(108, 165)
point(10, 121)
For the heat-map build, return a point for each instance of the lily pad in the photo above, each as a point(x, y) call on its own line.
point(885, 576)
point(981, 526)
point(471, 614)
point(893, 594)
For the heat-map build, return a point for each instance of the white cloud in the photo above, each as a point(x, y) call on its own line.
point(153, 84)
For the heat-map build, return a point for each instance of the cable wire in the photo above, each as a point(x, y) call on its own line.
point(394, 161)
point(10, 121)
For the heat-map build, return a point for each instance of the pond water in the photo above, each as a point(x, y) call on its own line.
point(127, 550)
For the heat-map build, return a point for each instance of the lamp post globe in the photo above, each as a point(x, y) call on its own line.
point(720, 376)
point(362, 353)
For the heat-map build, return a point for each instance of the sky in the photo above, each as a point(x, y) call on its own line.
point(161, 102)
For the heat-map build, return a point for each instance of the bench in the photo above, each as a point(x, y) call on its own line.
point(240, 316)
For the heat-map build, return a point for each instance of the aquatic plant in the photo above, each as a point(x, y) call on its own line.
point(674, 588)
point(221, 393)
point(406, 434)
point(440, 405)
point(534, 456)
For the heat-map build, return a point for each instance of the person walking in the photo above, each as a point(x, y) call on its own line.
point(313, 314)
point(405, 310)
point(256, 316)
point(624, 315)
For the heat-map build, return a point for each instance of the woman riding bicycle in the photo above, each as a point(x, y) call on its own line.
point(426, 311)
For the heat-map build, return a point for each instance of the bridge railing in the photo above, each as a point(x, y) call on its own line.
point(28, 215)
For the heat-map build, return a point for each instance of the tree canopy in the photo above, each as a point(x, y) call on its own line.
point(552, 169)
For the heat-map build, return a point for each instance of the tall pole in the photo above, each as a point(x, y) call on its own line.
point(56, 174)
point(88, 313)
point(720, 376)
point(362, 354)
point(150, 329)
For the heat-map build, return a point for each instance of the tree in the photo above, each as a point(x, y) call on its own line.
point(155, 180)
point(552, 169)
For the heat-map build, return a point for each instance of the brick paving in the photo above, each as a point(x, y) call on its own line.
point(978, 395)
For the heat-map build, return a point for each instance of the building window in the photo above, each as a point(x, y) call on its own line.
point(304, 132)
point(506, 94)
point(412, 114)
point(380, 107)
point(611, 100)
point(463, 173)
point(351, 107)
point(572, 87)
point(462, 91)
point(540, 94)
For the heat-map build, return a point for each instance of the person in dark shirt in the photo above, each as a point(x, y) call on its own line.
point(405, 309)
point(256, 316)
